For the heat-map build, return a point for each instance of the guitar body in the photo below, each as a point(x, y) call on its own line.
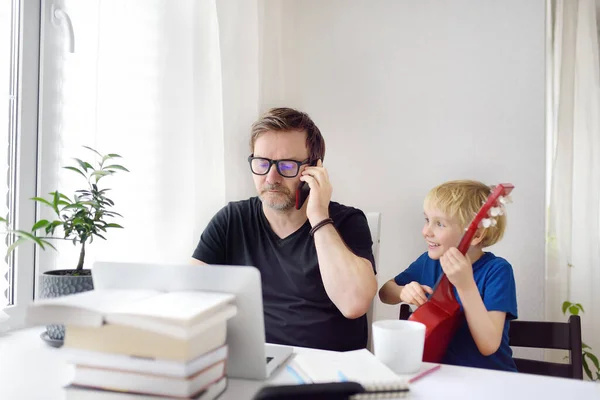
point(441, 314)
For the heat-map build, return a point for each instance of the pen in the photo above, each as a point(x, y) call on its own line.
point(422, 374)
point(295, 374)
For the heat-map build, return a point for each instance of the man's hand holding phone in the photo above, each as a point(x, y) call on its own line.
point(320, 192)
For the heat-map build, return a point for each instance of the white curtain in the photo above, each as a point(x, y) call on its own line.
point(573, 246)
point(158, 82)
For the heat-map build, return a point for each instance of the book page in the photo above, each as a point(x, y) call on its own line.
point(181, 307)
point(358, 366)
point(100, 301)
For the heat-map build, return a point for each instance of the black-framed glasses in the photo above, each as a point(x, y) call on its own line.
point(286, 168)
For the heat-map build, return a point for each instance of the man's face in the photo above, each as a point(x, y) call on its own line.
point(275, 190)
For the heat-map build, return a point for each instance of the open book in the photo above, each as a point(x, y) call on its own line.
point(180, 314)
point(358, 366)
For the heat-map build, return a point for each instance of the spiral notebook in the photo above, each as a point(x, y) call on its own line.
point(331, 391)
point(356, 366)
point(332, 375)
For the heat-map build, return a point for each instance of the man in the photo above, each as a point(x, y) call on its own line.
point(316, 263)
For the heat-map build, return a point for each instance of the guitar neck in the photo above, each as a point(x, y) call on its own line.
point(443, 295)
point(465, 242)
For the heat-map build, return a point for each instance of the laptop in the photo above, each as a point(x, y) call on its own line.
point(249, 356)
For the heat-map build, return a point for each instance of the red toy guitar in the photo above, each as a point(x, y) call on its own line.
point(441, 314)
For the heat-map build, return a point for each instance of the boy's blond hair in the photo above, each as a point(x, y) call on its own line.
point(462, 199)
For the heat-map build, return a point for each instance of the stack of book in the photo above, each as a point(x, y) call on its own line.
point(142, 344)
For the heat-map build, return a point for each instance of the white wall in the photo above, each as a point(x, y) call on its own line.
point(409, 94)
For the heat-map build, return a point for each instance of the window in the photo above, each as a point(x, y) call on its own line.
point(128, 84)
point(19, 70)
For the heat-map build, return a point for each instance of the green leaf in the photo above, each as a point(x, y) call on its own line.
point(115, 166)
point(89, 148)
point(586, 368)
point(84, 164)
point(594, 360)
point(15, 244)
point(74, 205)
point(565, 305)
point(47, 243)
point(76, 170)
point(40, 224)
point(42, 200)
point(113, 226)
point(102, 173)
point(99, 235)
point(3, 220)
point(64, 196)
point(574, 310)
point(580, 306)
point(109, 156)
point(52, 226)
point(30, 237)
point(112, 214)
point(55, 201)
point(585, 346)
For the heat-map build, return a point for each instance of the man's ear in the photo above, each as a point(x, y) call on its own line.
point(478, 237)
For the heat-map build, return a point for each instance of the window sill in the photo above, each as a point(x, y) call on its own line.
point(12, 318)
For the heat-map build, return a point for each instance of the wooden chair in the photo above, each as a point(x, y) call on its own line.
point(405, 311)
point(542, 335)
point(549, 335)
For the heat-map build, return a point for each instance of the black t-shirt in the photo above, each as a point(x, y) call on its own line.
point(297, 310)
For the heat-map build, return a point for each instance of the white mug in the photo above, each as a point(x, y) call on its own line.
point(399, 344)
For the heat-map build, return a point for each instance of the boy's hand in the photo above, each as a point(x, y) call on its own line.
point(458, 268)
point(414, 293)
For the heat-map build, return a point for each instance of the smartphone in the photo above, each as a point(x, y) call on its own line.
point(303, 191)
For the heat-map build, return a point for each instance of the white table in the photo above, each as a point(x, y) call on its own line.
point(29, 369)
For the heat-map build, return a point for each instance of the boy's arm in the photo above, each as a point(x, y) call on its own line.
point(412, 293)
point(485, 326)
point(390, 292)
point(405, 287)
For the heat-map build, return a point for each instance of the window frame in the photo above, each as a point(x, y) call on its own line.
point(25, 148)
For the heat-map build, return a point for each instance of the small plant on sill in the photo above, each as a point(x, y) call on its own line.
point(80, 217)
point(593, 368)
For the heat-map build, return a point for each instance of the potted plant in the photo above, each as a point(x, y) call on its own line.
point(591, 370)
point(79, 219)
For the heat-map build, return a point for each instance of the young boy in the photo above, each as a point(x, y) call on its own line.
point(483, 283)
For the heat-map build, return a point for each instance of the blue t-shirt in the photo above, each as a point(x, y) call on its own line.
point(496, 283)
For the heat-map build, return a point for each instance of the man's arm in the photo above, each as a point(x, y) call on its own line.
point(212, 243)
point(349, 280)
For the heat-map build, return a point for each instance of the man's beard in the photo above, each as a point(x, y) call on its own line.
point(283, 202)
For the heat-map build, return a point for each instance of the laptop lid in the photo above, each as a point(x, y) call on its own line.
point(245, 331)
